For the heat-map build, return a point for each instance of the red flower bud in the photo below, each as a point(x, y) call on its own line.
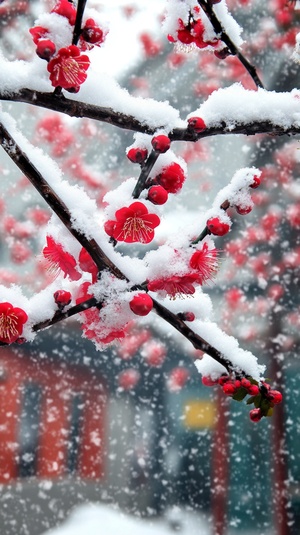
point(141, 304)
point(185, 37)
point(137, 155)
point(245, 383)
point(196, 124)
point(157, 195)
point(45, 49)
point(243, 210)
point(229, 389)
point(208, 381)
point(274, 396)
point(65, 9)
point(253, 390)
point(217, 227)
point(62, 298)
point(222, 54)
point(255, 415)
point(92, 33)
point(161, 143)
point(171, 178)
point(223, 379)
point(188, 316)
point(256, 182)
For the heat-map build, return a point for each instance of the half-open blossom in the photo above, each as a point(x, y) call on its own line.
point(204, 261)
point(59, 259)
point(171, 178)
point(12, 320)
point(91, 35)
point(67, 68)
point(37, 33)
point(175, 285)
point(133, 224)
point(65, 9)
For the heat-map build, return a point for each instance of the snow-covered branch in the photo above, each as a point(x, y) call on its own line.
point(257, 112)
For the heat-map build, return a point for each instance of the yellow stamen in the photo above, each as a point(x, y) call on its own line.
point(137, 228)
point(8, 324)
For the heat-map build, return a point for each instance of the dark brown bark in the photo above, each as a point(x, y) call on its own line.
point(79, 109)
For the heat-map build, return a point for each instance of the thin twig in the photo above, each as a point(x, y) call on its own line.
point(145, 171)
point(77, 28)
point(189, 334)
point(62, 315)
point(221, 34)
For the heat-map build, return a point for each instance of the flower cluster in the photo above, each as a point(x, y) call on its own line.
point(262, 396)
point(168, 178)
point(67, 65)
point(196, 31)
point(236, 195)
point(106, 321)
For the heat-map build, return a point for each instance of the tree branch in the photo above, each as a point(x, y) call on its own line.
point(102, 261)
point(145, 171)
point(127, 122)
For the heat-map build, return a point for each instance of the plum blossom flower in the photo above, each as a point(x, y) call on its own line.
point(133, 224)
point(59, 259)
point(67, 68)
point(204, 261)
point(12, 320)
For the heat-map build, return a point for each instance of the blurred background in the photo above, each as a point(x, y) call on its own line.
point(132, 429)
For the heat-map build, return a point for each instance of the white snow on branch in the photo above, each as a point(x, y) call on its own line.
point(229, 347)
point(237, 105)
point(99, 89)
